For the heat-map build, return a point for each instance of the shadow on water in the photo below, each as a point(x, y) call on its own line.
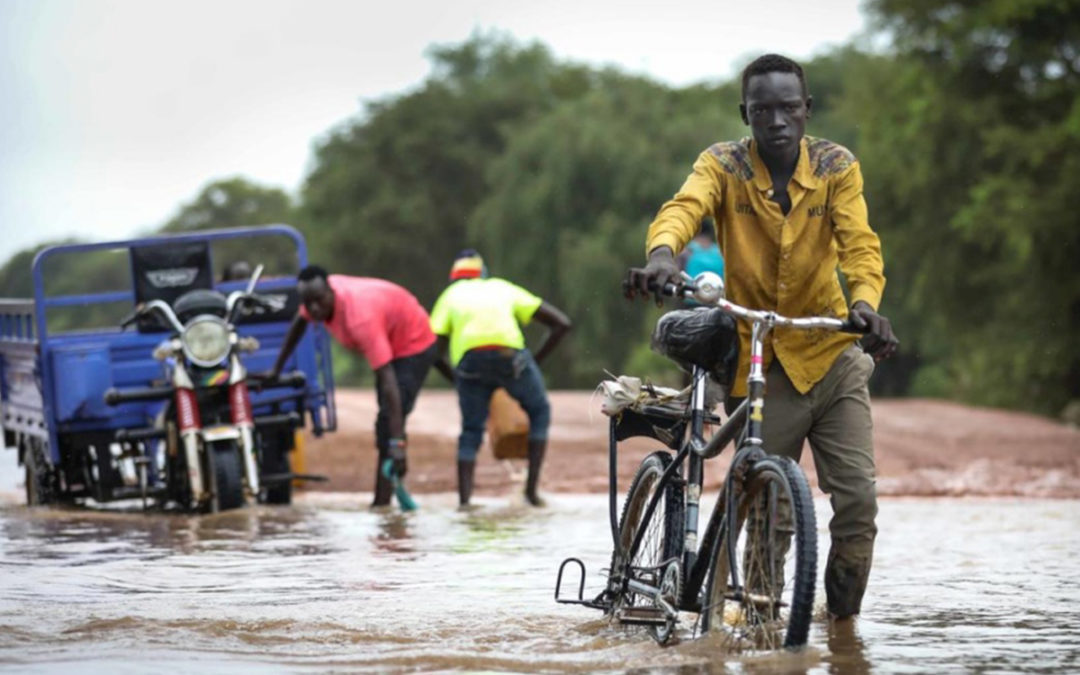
point(326, 586)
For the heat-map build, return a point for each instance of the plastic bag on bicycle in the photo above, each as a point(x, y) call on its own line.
point(705, 337)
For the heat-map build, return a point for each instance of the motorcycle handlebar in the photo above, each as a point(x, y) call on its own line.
point(147, 308)
point(116, 397)
point(296, 380)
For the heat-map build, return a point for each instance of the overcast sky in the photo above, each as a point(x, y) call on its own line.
point(113, 112)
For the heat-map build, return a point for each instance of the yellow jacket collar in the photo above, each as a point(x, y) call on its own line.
point(803, 175)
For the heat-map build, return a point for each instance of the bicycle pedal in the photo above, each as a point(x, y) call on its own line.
point(642, 616)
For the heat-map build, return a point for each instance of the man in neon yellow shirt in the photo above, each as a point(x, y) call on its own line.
point(479, 320)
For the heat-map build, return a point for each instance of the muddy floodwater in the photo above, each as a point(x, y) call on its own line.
point(973, 585)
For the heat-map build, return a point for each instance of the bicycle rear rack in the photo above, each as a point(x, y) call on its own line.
point(600, 602)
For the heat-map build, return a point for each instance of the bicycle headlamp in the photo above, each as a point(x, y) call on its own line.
point(205, 340)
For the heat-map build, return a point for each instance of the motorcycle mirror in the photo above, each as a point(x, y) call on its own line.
point(132, 316)
point(254, 279)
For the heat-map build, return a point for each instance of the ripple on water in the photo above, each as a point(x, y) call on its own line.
point(957, 584)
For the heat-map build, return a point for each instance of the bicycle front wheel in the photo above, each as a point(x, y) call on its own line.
point(768, 602)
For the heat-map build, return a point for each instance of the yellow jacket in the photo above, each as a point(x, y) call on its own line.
point(786, 264)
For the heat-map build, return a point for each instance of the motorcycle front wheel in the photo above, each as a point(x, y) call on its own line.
point(227, 470)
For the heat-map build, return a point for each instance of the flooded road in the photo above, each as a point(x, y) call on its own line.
point(958, 586)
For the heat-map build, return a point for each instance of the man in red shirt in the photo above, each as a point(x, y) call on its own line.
point(386, 324)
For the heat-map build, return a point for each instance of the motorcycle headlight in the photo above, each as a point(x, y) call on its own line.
point(206, 341)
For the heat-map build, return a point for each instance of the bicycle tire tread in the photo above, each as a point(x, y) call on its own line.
point(802, 505)
point(805, 573)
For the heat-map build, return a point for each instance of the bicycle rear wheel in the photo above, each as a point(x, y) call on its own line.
point(775, 538)
point(663, 537)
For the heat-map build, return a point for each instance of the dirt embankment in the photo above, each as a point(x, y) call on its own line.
point(923, 448)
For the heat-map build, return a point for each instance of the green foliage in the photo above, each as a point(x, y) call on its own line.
point(967, 127)
point(392, 191)
point(580, 185)
point(220, 204)
point(234, 202)
point(15, 279)
point(228, 203)
point(970, 142)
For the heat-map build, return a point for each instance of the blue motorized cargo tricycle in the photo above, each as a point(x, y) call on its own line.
point(148, 389)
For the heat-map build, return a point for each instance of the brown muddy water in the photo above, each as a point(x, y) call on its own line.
point(980, 585)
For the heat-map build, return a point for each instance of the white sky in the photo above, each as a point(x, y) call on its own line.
point(113, 112)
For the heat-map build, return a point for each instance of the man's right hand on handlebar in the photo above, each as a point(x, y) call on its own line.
point(650, 280)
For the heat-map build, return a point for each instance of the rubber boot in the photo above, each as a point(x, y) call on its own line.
point(536, 459)
point(465, 471)
point(384, 489)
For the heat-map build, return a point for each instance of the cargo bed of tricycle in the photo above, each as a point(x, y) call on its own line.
point(62, 350)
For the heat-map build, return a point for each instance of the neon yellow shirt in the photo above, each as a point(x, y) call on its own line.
point(480, 312)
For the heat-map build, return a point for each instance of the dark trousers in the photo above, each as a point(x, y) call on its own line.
point(834, 417)
point(476, 378)
point(410, 372)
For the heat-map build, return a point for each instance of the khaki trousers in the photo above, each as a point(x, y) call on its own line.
point(835, 417)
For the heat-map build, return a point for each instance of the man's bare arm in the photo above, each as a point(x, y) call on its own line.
point(558, 325)
point(292, 338)
point(390, 398)
point(442, 346)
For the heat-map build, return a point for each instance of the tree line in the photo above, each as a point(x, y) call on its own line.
point(967, 127)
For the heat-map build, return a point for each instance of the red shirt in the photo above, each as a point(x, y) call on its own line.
point(377, 318)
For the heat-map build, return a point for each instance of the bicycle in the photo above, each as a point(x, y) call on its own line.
point(755, 569)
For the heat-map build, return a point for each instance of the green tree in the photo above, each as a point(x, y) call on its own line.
point(569, 202)
point(220, 204)
point(230, 202)
point(969, 132)
point(236, 202)
point(392, 190)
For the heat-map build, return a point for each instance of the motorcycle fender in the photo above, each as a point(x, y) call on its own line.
point(225, 432)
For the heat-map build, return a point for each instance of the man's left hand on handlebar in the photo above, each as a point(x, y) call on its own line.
point(650, 280)
point(881, 342)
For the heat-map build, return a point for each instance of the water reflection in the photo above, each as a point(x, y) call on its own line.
point(393, 534)
point(137, 532)
point(847, 653)
point(324, 586)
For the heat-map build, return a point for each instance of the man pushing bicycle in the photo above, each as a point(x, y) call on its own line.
point(789, 210)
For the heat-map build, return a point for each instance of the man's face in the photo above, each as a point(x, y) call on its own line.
point(318, 298)
point(776, 111)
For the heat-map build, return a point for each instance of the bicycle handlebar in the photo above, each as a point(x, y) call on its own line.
point(689, 290)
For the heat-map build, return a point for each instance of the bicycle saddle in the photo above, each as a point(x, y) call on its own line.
point(703, 337)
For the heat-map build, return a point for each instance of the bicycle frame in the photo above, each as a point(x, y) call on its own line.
point(688, 463)
point(693, 453)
